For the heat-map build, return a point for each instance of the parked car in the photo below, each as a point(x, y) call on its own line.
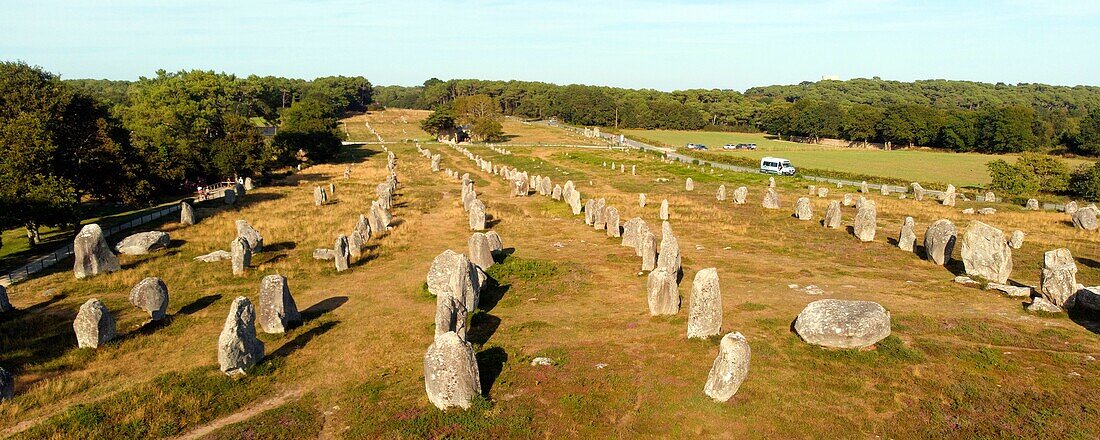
point(731, 146)
point(776, 165)
point(750, 146)
point(695, 147)
point(739, 147)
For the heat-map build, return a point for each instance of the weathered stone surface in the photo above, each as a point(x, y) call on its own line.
point(771, 199)
point(669, 255)
point(918, 191)
point(378, 218)
point(451, 377)
point(884, 189)
point(1071, 207)
point(1032, 205)
point(555, 193)
point(632, 233)
point(907, 240)
point(771, 182)
point(599, 214)
point(187, 214)
point(143, 242)
point(1085, 218)
point(150, 295)
point(319, 196)
point(1017, 239)
point(436, 159)
point(865, 222)
point(5, 304)
point(832, 215)
point(729, 369)
point(241, 255)
point(477, 215)
point(641, 200)
point(7, 385)
point(838, 323)
point(689, 185)
point(863, 187)
point(613, 227)
point(341, 253)
point(740, 194)
point(822, 192)
point(939, 241)
point(91, 253)
point(1041, 304)
point(663, 213)
point(705, 308)
point(990, 197)
point(218, 255)
point(849, 199)
point(811, 189)
point(362, 227)
point(803, 210)
point(278, 312)
point(721, 195)
point(664, 294)
point(1087, 299)
point(572, 197)
point(229, 197)
point(590, 212)
point(251, 235)
point(496, 244)
point(323, 254)
point(987, 211)
point(444, 267)
point(94, 324)
point(481, 253)
point(985, 252)
point(521, 187)
point(648, 249)
point(1058, 279)
point(248, 186)
point(451, 312)
point(1011, 291)
point(968, 211)
point(238, 347)
point(949, 196)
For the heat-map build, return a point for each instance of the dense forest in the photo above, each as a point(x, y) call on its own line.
point(954, 115)
point(65, 142)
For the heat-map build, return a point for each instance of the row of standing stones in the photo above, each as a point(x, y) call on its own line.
point(238, 346)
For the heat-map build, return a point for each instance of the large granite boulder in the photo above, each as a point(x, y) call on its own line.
point(664, 294)
point(838, 323)
point(985, 252)
point(648, 249)
point(251, 235)
point(705, 308)
point(151, 295)
point(1085, 218)
point(187, 214)
point(1058, 279)
point(443, 268)
point(739, 195)
point(5, 304)
point(771, 199)
point(278, 312)
point(218, 255)
point(907, 240)
point(721, 195)
point(939, 241)
point(663, 212)
point(1016, 241)
point(729, 369)
point(632, 233)
point(7, 385)
point(496, 244)
point(341, 253)
point(612, 219)
point(669, 253)
point(238, 347)
point(92, 254)
point(451, 377)
point(143, 242)
point(832, 215)
point(865, 223)
point(241, 255)
point(480, 251)
point(803, 210)
point(94, 325)
point(477, 215)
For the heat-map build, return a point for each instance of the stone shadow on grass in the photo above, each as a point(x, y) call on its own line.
point(490, 363)
point(482, 327)
point(324, 306)
point(301, 340)
point(1088, 319)
point(199, 304)
point(491, 293)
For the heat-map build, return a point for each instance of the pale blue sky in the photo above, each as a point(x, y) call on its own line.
point(640, 44)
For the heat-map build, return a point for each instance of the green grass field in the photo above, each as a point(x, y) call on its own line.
point(960, 169)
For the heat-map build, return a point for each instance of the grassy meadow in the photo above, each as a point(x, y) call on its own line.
point(960, 169)
point(961, 362)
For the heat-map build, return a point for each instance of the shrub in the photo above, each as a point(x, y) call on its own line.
point(1085, 182)
point(1011, 179)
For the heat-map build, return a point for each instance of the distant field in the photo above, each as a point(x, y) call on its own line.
point(402, 124)
point(962, 169)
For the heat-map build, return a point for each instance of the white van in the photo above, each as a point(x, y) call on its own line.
point(776, 165)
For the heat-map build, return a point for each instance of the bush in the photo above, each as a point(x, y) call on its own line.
point(1011, 179)
point(1085, 182)
point(1052, 174)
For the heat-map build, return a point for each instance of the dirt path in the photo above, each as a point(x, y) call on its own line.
point(242, 415)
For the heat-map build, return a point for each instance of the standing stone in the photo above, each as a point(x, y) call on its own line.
point(838, 323)
point(319, 196)
point(771, 199)
point(949, 196)
point(362, 226)
point(863, 187)
point(521, 187)
point(729, 369)
point(633, 170)
point(238, 348)
point(669, 255)
point(812, 189)
point(495, 243)
point(251, 235)
point(884, 189)
point(641, 200)
point(907, 240)
point(599, 214)
point(613, 222)
point(229, 196)
point(648, 248)
point(1017, 239)
point(918, 191)
point(632, 232)
point(1085, 218)
point(248, 184)
point(721, 196)
point(379, 219)
point(985, 252)
point(451, 312)
point(572, 196)
point(480, 251)
point(92, 254)
point(241, 255)
point(436, 158)
point(341, 253)
point(150, 295)
point(590, 212)
point(739, 195)
point(451, 377)
point(332, 189)
point(7, 385)
point(94, 325)
point(1032, 205)
point(865, 222)
point(664, 294)
point(1071, 207)
point(705, 309)
point(555, 193)
point(444, 267)
point(278, 312)
point(689, 184)
point(239, 189)
point(803, 210)
point(1058, 280)
point(822, 192)
point(939, 241)
point(849, 199)
point(5, 304)
point(771, 182)
point(477, 215)
point(990, 197)
point(663, 213)
point(832, 215)
point(187, 214)
point(143, 242)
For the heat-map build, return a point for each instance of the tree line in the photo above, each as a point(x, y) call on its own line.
point(130, 142)
point(953, 115)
